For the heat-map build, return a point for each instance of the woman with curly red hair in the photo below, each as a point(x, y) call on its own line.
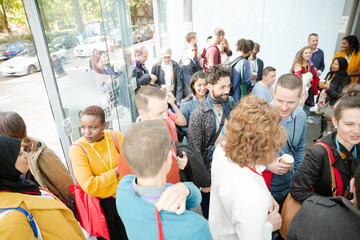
point(241, 205)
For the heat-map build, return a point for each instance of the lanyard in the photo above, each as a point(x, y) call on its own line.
point(338, 148)
point(253, 170)
point(142, 196)
point(329, 80)
point(196, 98)
point(140, 66)
point(222, 130)
point(107, 141)
point(292, 140)
point(272, 96)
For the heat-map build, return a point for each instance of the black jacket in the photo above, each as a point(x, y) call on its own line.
point(178, 79)
point(196, 172)
point(142, 76)
point(336, 87)
point(325, 218)
point(315, 171)
point(188, 68)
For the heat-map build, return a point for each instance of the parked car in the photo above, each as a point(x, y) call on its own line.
point(27, 62)
point(10, 50)
point(146, 33)
point(140, 34)
point(76, 34)
point(65, 41)
point(86, 48)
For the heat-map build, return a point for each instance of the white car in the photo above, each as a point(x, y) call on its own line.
point(26, 62)
point(87, 47)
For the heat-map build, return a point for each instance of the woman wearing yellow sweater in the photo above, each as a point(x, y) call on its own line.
point(94, 159)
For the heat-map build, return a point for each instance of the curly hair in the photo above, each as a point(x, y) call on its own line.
point(94, 111)
point(214, 73)
point(254, 133)
point(243, 45)
point(353, 43)
point(299, 58)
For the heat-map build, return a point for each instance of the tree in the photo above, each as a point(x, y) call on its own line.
point(135, 5)
point(12, 11)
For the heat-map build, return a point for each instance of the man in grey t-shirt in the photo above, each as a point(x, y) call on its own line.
point(263, 88)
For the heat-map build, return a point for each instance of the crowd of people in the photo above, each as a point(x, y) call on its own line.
point(218, 151)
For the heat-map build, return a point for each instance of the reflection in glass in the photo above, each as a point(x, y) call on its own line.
point(92, 33)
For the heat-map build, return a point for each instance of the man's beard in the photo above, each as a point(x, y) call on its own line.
point(220, 99)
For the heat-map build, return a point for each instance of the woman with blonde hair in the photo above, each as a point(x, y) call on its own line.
point(225, 51)
point(304, 68)
point(241, 206)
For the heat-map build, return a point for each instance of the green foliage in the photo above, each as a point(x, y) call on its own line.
point(14, 13)
point(16, 38)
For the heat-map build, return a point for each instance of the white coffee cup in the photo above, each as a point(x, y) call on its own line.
point(323, 80)
point(163, 87)
point(287, 159)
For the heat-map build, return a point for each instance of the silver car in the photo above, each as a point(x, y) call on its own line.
point(26, 62)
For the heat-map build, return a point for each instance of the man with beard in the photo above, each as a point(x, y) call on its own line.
point(207, 122)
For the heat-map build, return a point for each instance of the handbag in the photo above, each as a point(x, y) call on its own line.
point(90, 214)
point(291, 206)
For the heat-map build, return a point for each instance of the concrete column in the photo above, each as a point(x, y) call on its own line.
point(188, 26)
point(349, 11)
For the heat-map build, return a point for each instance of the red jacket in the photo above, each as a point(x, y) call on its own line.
point(173, 175)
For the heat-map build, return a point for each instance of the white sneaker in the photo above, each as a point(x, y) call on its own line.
point(309, 121)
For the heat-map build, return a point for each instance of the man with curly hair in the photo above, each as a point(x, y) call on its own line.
point(207, 122)
point(287, 94)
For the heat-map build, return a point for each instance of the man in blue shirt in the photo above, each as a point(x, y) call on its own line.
point(287, 94)
point(263, 88)
point(148, 206)
point(317, 56)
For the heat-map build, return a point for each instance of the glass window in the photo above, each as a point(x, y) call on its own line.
point(89, 64)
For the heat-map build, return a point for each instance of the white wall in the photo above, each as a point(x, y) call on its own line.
point(281, 27)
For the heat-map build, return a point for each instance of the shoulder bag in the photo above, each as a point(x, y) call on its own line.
point(291, 206)
point(90, 214)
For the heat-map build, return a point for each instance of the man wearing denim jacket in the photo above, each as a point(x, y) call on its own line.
point(287, 94)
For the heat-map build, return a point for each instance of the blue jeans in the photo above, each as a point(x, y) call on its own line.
point(280, 197)
point(306, 109)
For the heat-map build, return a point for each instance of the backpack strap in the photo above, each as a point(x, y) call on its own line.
point(241, 81)
point(336, 189)
point(29, 217)
point(213, 139)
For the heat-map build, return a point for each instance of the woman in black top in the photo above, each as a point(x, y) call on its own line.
point(314, 175)
point(335, 81)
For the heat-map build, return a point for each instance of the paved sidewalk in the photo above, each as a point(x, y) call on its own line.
point(27, 96)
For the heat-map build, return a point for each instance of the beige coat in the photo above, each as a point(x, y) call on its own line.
point(50, 172)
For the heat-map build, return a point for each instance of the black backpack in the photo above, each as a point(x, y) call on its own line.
point(230, 65)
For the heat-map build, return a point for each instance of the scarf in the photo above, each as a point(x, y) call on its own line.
point(9, 175)
point(226, 105)
point(342, 72)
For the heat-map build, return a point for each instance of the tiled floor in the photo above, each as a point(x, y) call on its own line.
point(313, 130)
